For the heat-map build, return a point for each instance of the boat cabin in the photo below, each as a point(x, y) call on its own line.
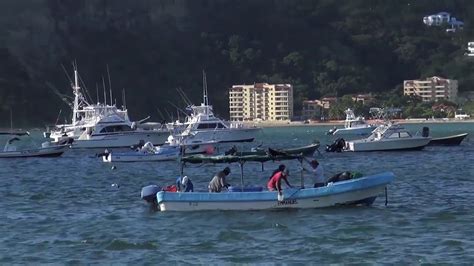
point(389, 131)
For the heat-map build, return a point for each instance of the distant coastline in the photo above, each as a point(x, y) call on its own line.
point(266, 124)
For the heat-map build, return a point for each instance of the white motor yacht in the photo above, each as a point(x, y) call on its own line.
point(389, 137)
point(103, 126)
point(353, 126)
point(202, 126)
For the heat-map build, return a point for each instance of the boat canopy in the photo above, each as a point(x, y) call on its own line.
point(237, 159)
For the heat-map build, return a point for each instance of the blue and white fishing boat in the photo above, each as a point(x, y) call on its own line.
point(363, 190)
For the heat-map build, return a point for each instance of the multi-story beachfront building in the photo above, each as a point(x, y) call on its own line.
point(312, 109)
point(432, 89)
point(261, 102)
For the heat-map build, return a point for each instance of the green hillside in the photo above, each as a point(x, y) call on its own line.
point(153, 47)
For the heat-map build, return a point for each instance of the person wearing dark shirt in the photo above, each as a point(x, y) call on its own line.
point(218, 181)
point(184, 184)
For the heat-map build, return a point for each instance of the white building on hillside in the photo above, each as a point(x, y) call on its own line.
point(432, 89)
point(437, 19)
point(261, 102)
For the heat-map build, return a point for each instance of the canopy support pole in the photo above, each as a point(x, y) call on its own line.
point(241, 175)
point(300, 159)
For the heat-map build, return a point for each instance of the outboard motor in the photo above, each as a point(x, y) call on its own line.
point(149, 193)
point(337, 146)
point(426, 132)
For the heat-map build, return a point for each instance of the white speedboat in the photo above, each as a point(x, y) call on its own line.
point(148, 153)
point(202, 126)
point(103, 126)
point(10, 150)
point(389, 137)
point(353, 126)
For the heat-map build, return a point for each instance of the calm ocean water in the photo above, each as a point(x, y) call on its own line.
point(65, 210)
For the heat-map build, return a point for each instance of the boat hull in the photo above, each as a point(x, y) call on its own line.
point(387, 144)
point(448, 141)
point(137, 157)
point(120, 140)
point(362, 190)
point(53, 151)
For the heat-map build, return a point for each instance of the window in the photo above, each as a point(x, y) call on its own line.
point(211, 126)
point(394, 135)
point(404, 135)
point(116, 128)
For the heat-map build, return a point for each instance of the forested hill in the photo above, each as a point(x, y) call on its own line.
point(324, 47)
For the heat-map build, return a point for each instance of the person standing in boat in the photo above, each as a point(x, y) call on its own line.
point(184, 184)
point(317, 172)
point(275, 182)
point(280, 168)
point(218, 181)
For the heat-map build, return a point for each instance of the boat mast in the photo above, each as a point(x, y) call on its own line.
point(110, 84)
point(204, 88)
point(76, 89)
point(105, 94)
point(124, 102)
point(11, 120)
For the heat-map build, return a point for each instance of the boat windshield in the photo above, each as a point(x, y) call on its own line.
point(116, 128)
point(210, 126)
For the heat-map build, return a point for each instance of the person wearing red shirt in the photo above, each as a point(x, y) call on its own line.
point(275, 182)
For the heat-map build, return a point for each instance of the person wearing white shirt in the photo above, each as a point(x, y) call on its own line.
point(317, 172)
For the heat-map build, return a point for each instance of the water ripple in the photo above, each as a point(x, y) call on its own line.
point(65, 210)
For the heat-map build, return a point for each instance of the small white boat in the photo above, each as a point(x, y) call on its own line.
point(46, 150)
point(147, 153)
point(353, 126)
point(389, 137)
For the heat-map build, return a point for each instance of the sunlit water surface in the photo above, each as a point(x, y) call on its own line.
point(67, 210)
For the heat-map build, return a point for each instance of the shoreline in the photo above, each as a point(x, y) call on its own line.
point(341, 122)
point(268, 124)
